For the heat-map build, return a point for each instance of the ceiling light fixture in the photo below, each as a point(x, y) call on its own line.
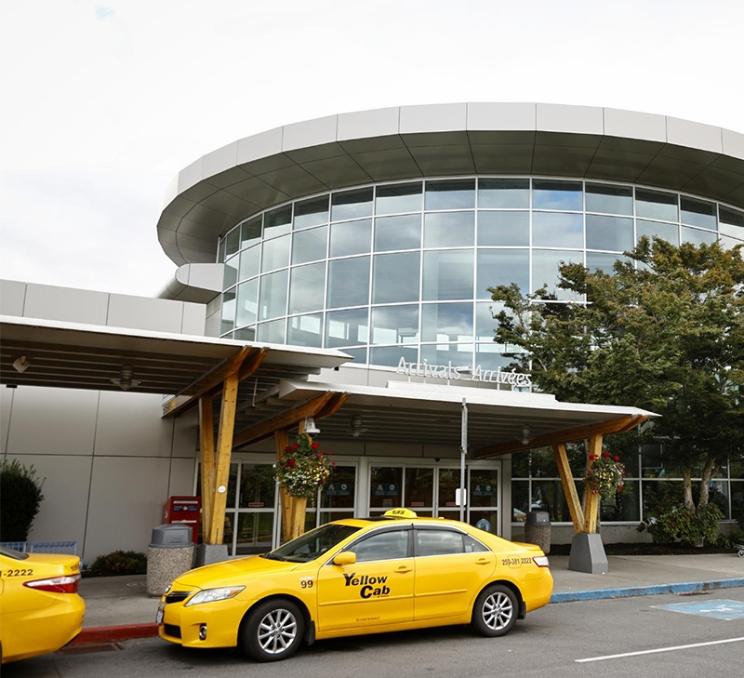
point(21, 363)
point(310, 428)
point(124, 381)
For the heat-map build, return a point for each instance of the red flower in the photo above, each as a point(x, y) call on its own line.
point(616, 458)
point(315, 446)
point(606, 454)
point(295, 446)
point(288, 449)
point(291, 463)
point(593, 457)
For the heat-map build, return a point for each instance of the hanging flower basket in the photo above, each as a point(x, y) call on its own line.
point(303, 468)
point(605, 475)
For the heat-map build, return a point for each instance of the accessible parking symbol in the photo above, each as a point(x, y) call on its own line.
point(726, 610)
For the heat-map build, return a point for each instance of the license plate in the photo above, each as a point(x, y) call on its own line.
point(159, 615)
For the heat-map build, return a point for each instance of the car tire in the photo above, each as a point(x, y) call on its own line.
point(495, 611)
point(272, 631)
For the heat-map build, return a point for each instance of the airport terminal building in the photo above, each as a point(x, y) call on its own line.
point(352, 255)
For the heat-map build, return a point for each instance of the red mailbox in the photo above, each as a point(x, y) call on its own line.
point(184, 510)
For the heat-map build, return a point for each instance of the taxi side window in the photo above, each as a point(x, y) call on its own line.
point(472, 545)
point(383, 546)
point(438, 543)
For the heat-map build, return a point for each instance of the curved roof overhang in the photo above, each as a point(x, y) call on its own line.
point(246, 176)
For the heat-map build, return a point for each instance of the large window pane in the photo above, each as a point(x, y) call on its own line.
point(447, 322)
point(395, 324)
point(546, 271)
point(339, 491)
point(696, 236)
point(309, 245)
point(504, 193)
point(348, 282)
point(547, 495)
point(450, 194)
point(553, 229)
point(251, 231)
point(449, 229)
point(351, 204)
point(273, 332)
point(249, 262)
point(228, 311)
point(448, 274)
point(460, 355)
point(504, 228)
point(656, 205)
point(622, 506)
point(273, 295)
point(502, 267)
point(247, 303)
point(389, 356)
point(230, 276)
point(609, 233)
point(278, 221)
point(398, 233)
point(232, 242)
point(731, 222)
point(275, 253)
point(351, 237)
point(254, 532)
point(599, 261)
point(306, 288)
point(396, 277)
point(311, 212)
point(609, 199)
point(556, 195)
point(660, 495)
point(257, 486)
point(698, 213)
point(347, 328)
point(491, 357)
point(396, 198)
point(419, 485)
point(385, 487)
point(485, 323)
point(657, 229)
point(305, 330)
point(520, 499)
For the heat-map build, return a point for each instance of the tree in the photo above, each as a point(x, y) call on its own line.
point(664, 331)
point(20, 497)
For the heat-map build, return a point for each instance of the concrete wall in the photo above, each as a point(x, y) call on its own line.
point(108, 460)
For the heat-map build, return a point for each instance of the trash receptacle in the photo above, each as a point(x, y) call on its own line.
point(537, 529)
point(170, 554)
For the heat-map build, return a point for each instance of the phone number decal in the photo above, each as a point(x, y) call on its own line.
point(515, 561)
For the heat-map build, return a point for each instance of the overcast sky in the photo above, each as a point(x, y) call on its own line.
point(104, 102)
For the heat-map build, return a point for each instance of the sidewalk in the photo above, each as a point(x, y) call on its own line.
point(115, 601)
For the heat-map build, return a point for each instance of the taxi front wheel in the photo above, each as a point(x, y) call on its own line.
point(273, 631)
point(495, 611)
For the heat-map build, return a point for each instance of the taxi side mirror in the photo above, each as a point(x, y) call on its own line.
point(345, 558)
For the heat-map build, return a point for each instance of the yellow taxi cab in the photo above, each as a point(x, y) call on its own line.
point(40, 609)
point(354, 577)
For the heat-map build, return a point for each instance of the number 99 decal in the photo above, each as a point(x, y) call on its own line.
point(306, 583)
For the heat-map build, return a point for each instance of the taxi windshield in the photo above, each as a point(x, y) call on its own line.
point(313, 544)
point(12, 553)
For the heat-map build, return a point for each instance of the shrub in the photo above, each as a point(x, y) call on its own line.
point(689, 526)
point(119, 563)
point(20, 498)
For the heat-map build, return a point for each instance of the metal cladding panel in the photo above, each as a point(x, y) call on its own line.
point(445, 139)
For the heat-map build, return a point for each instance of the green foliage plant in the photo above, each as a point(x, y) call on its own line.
point(303, 468)
point(119, 563)
point(663, 331)
point(20, 499)
point(691, 526)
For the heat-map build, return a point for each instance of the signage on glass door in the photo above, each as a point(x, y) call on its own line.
point(462, 373)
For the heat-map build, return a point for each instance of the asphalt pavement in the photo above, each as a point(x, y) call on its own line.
point(555, 641)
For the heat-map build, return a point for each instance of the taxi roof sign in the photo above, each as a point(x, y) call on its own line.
point(400, 513)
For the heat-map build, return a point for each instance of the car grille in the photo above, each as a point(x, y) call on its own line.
point(176, 597)
point(172, 630)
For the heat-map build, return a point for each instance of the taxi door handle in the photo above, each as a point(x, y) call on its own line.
point(403, 569)
point(483, 561)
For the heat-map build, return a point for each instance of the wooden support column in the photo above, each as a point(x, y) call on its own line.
point(224, 453)
point(206, 446)
point(591, 499)
point(569, 486)
point(281, 440)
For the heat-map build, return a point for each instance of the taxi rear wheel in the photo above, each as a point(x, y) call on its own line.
point(495, 611)
point(274, 630)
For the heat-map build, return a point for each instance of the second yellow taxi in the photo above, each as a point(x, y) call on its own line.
point(354, 577)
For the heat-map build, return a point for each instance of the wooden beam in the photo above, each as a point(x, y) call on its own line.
point(284, 420)
point(565, 436)
point(224, 453)
point(330, 409)
point(591, 499)
point(245, 362)
point(206, 447)
point(281, 440)
point(569, 486)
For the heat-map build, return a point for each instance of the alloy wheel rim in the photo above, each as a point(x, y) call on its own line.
point(498, 611)
point(277, 631)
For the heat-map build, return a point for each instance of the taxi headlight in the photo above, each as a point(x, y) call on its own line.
point(213, 595)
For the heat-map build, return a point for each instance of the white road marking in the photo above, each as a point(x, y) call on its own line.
point(660, 649)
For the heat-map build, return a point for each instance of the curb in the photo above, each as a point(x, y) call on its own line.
point(103, 634)
point(654, 590)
